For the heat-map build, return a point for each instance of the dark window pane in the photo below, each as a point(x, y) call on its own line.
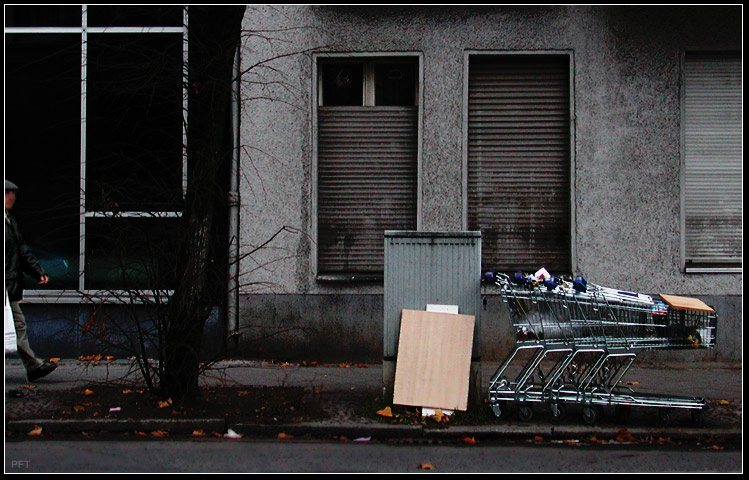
point(342, 84)
point(395, 84)
point(42, 147)
point(42, 16)
point(131, 253)
point(134, 122)
point(135, 16)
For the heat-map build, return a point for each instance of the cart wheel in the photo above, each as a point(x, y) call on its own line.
point(698, 419)
point(665, 415)
point(590, 415)
point(557, 411)
point(525, 413)
point(497, 408)
point(622, 413)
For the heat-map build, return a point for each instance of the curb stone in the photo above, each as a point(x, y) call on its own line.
point(374, 431)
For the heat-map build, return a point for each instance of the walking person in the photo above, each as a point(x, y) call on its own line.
point(20, 260)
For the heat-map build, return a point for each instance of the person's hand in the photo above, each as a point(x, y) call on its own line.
point(44, 279)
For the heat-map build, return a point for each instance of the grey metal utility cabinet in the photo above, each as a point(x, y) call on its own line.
point(423, 268)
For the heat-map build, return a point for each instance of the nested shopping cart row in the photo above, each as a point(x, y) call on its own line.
point(575, 347)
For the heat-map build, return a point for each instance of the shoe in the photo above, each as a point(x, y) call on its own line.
point(42, 371)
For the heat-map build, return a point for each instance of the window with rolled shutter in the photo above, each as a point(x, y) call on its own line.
point(712, 177)
point(367, 169)
point(519, 160)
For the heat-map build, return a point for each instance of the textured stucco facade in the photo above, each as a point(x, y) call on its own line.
point(626, 67)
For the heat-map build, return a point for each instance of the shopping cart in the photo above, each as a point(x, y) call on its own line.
point(574, 347)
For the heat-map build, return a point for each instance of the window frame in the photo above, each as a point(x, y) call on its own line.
point(570, 54)
point(75, 296)
point(316, 101)
point(685, 266)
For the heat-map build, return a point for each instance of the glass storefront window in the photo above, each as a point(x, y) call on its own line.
point(94, 137)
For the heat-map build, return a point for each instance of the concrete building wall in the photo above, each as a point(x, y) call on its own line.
point(626, 171)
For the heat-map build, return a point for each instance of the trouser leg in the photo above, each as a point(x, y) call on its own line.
point(25, 353)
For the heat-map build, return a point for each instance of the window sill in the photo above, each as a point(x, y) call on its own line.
point(341, 278)
point(707, 269)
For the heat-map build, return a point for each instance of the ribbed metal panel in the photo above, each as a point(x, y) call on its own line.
point(519, 160)
point(424, 268)
point(713, 151)
point(367, 182)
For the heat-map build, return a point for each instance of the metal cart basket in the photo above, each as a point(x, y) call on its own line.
point(574, 347)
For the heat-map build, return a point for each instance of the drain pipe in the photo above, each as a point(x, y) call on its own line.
point(232, 305)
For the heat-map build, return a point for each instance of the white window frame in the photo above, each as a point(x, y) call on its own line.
point(75, 296)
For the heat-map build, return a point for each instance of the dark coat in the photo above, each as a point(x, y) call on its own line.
point(18, 260)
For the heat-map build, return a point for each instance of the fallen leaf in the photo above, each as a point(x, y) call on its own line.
point(284, 436)
point(198, 433)
point(538, 438)
point(344, 365)
point(362, 365)
point(165, 403)
point(159, 433)
point(29, 387)
point(623, 436)
point(36, 431)
point(127, 391)
point(426, 466)
point(109, 357)
point(88, 392)
point(242, 393)
point(142, 434)
point(715, 447)
point(662, 440)
point(78, 408)
point(723, 402)
point(53, 360)
point(469, 440)
point(385, 412)
point(438, 415)
point(633, 383)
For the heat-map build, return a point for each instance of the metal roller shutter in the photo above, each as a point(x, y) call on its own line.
point(519, 160)
point(367, 182)
point(713, 160)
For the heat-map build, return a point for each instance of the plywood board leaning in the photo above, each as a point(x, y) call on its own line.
point(686, 303)
point(434, 360)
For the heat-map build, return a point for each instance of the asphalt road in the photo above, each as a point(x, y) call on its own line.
point(274, 456)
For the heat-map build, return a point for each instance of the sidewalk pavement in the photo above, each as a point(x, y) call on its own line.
point(720, 384)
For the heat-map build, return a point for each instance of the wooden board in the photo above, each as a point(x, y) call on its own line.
point(434, 360)
point(686, 303)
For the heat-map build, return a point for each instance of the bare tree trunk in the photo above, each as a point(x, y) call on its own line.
point(214, 33)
